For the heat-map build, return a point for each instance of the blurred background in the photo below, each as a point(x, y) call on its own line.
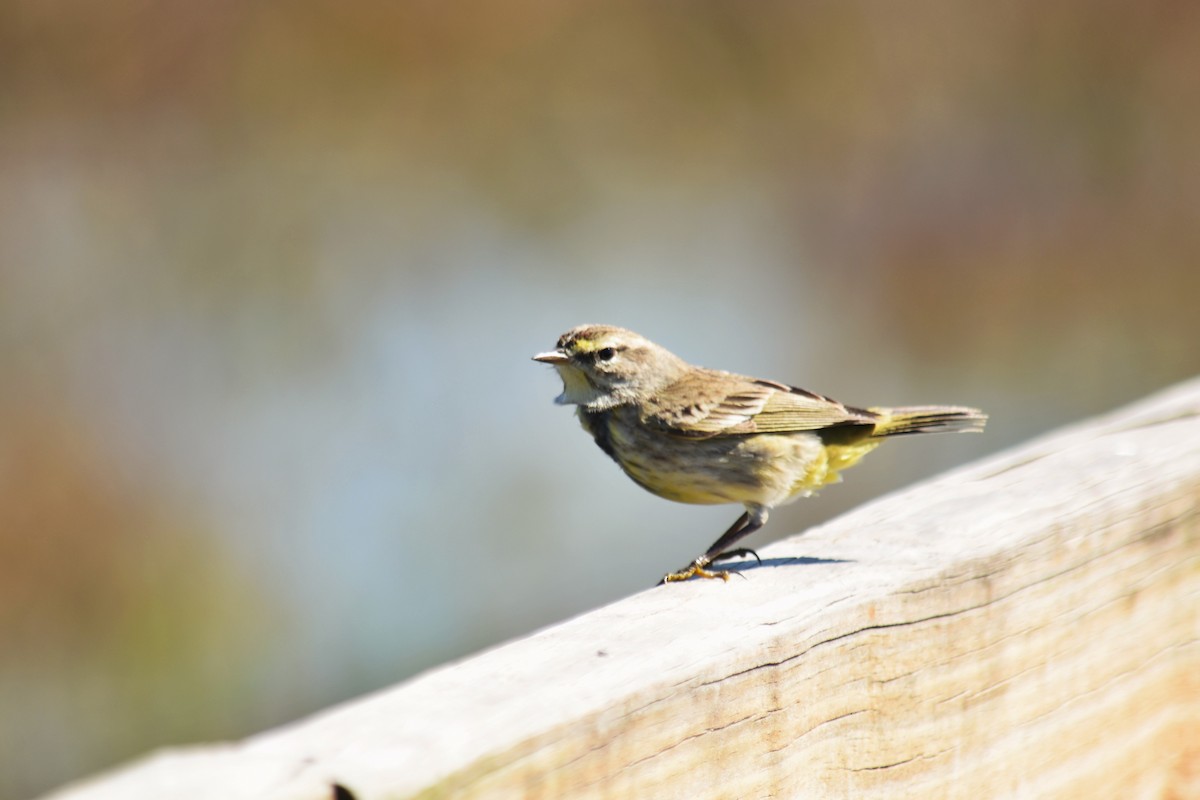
point(271, 274)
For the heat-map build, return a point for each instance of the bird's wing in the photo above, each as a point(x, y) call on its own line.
point(716, 404)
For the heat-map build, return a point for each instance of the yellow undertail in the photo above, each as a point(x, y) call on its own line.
point(838, 456)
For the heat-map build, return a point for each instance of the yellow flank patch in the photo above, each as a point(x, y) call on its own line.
point(826, 469)
point(844, 456)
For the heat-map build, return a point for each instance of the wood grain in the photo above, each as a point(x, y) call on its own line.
point(1028, 626)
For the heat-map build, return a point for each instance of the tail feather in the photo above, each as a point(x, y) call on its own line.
point(928, 419)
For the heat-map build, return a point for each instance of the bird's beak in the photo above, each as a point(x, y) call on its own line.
point(552, 357)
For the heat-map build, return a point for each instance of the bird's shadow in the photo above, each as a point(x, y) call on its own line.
point(748, 564)
point(738, 566)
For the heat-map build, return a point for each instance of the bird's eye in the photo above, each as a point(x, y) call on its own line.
point(606, 354)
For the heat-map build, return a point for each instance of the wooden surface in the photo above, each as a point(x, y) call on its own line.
point(1028, 626)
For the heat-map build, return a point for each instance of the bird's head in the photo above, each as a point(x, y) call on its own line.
point(603, 366)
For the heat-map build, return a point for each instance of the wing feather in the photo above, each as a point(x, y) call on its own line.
point(708, 403)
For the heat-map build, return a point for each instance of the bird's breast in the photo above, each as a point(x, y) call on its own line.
point(760, 469)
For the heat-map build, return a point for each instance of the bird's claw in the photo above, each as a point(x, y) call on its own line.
point(696, 570)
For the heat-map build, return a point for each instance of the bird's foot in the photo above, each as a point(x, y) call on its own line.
point(697, 570)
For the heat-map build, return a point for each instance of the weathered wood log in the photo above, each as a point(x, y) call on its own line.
point(1027, 626)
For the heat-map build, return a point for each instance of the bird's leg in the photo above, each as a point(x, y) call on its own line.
point(745, 525)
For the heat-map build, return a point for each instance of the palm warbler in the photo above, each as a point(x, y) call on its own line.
point(698, 435)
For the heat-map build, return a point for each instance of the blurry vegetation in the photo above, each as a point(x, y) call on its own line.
point(115, 617)
point(269, 274)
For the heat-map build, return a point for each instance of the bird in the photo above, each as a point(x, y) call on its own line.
point(705, 436)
